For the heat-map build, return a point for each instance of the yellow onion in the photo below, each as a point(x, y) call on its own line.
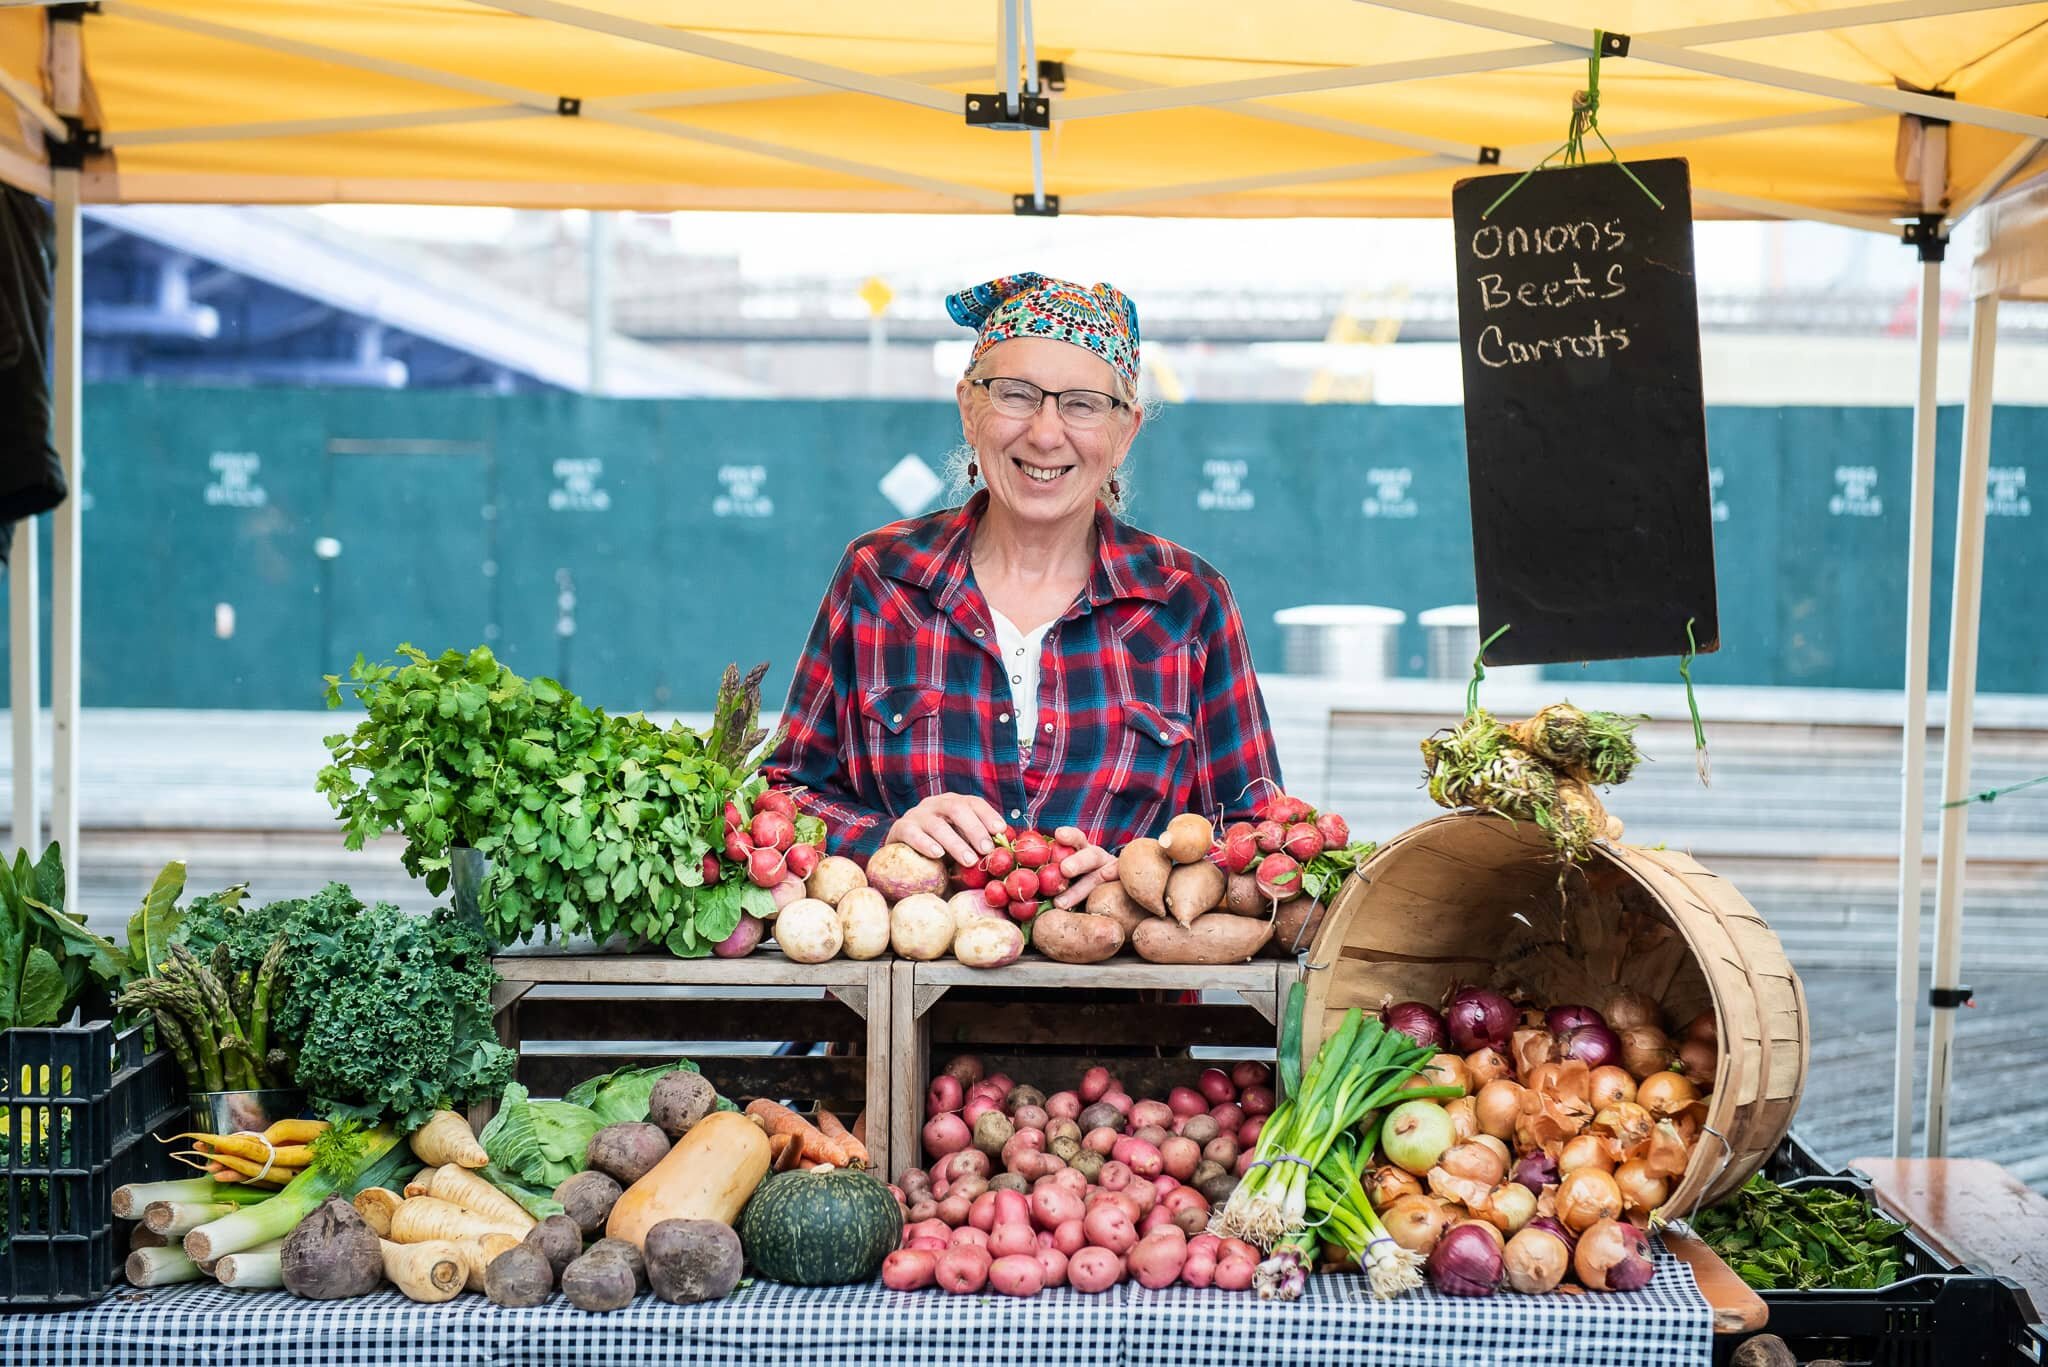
point(1447, 1070)
point(1510, 1206)
point(1497, 1105)
point(1705, 1026)
point(1584, 1151)
point(1586, 1197)
point(1608, 1085)
point(1533, 1018)
point(1464, 1117)
point(1700, 1059)
point(1626, 1009)
point(1387, 1184)
point(1543, 1078)
point(1641, 1190)
point(1629, 1124)
point(1500, 1149)
point(1416, 1222)
point(1535, 1261)
point(1475, 1161)
point(1485, 1065)
point(1666, 1093)
point(1645, 1050)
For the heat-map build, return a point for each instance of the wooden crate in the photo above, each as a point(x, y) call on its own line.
point(557, 998)
point(1016, 1020)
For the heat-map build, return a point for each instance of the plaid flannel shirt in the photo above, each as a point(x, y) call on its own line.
point(1147, 704)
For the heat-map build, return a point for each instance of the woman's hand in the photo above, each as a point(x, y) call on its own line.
point(1085, 872)
point(949, 825)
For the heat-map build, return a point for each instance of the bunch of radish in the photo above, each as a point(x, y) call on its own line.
point(765, 845)
point(1287, 836)
point(1021, 875)
point(1084, 1188)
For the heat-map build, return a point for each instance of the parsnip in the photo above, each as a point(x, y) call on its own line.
point(429, 1272)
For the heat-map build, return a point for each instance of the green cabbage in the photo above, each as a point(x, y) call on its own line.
point(624, 1093)
point(540, 1143)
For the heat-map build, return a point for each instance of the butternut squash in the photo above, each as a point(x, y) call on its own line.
point(708, 1175)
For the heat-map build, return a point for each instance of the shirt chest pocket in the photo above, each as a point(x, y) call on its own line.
point(904, 742)
point(1157, 769)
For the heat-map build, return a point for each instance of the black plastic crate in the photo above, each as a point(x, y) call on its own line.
point(82, 1108)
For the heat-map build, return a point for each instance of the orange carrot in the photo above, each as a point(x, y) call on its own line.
point(811, 1142)
point(860, 1128)
point(829, 1124)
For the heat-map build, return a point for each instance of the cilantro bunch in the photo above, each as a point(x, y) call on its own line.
point(592, 824)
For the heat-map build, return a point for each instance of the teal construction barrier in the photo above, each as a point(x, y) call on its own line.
point(239, 544)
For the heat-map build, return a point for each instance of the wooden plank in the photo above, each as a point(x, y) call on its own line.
point(630, 1018)
point(1737, 1308)
point(879, 1131)
point(961, 1020)
point(763, 968)
point(1972, 1211)
point(908, 1056)
point(1153, 1077)
point(835, 1081)
point(1036, 971)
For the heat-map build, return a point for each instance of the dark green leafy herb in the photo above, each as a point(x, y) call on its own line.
point(47, 956)
point(1800, 1238)
point(1325, 873)
point(592, 824)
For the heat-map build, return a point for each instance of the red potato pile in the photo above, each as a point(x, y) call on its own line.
point(1084, 1188)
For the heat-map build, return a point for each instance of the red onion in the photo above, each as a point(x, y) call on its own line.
point(1593, 1045)
point(1480, 1018)
point(1418, 1022)
point(1613, 1255)
point(1562, 1019)
point(1466, 1262)
point(1536, 1171)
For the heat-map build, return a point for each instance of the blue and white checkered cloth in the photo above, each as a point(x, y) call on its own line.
point(1668, 1323)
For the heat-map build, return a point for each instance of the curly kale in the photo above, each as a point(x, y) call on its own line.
point(390, 1012)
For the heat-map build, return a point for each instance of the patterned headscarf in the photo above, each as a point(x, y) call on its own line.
point(1028, 304)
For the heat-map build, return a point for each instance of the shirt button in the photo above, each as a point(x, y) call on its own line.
point(1015, 814)
point(979, 632)
point(1020, 650)
point(899, 718)
point(1019, 678)
point(1048, 728)
point(1003, 717)
point(1162, 737)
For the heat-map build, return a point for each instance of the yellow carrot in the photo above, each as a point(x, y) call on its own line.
point(472, 1193)
point(420, 1219)
point(253, 1147)
point(446, 1138)
point(295, 1131)
point(248, 1167)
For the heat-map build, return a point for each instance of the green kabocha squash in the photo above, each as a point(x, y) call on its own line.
point(824, 1228)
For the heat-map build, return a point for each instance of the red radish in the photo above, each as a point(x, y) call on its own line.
point(1023, 911)
point(733, 820)
point(1269, 836)
point(1304, 842)
point(1335, 830)
point(943, 1095)
point(766, 867)
point(1238, 828)
point(1033, 850)
point(738, 847)
point(1094, 1085)
point(1279, 877)
point(1257, 1101)
point(773, 829)
point(973, 876)
point(1239, 853)
point(996, 894)
point(745, 937)
point(1250, 1073)
point(1063, 851)
point(802, 860)
point(998, 862)
point(710, 869)
point(1051, 882)
point(1217, 1087)
point(1023, 885)
point(774, 801)
point(1287, 810)
point(1186, 1101)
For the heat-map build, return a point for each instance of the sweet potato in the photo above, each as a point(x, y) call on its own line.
point(1112, 900)
point(1193, 890)
point(1077, 937)
point(1212, 939)
point(1241, 897)
point(1296, 923)
point(1142, 867)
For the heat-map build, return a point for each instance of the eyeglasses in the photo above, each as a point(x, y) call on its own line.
point(1078, 408)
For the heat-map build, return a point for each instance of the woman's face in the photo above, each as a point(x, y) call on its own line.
point(1038, 468)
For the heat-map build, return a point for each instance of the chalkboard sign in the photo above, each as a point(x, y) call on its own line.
point(1585, 429)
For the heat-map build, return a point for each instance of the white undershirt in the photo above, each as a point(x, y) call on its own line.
point(1020, 661)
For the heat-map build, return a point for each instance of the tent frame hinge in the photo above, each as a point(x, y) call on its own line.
point(1052, 75)
point(1925, 234)
point(1489, 156)
point(1949, 998)
point(1027, 206)
point(1926, 120)
point(991, 111)
point(79, 143)
point(568, 106)
point(1613, 44)
point(73, 13)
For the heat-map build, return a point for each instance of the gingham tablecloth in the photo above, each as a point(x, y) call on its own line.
point(1667, 1324)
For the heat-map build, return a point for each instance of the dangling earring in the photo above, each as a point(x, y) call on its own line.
point(1115, 491)
point(973, 472)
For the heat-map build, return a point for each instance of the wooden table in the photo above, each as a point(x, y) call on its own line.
point(1971, 1211)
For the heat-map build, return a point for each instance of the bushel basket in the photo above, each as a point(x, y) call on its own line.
point(1474, 898)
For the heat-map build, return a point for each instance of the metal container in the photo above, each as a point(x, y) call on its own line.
point(245, 1112)
point(1451, 639)
point(1355, 642)
point(467, 870)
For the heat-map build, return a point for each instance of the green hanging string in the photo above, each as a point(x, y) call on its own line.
point(1585, 119)
point(1692, 704)
point(1993, 794)
point(1479, 672)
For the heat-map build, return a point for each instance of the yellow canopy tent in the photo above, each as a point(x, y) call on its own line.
point(1858, 114)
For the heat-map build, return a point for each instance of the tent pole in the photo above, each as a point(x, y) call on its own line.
point(599, 312)
point(25, 678)
point(1962, 697)
point(66, 79)
point(1913, 760)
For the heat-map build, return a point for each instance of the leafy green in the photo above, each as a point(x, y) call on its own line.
point(47, 956)
point(1799, 1238)
point(623, 1093)
point(540, 1143)
point(592, 824)
point(1324, 874)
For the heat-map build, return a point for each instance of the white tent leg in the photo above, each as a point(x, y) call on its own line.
point(1962, 697)
point(1913, 752)
point(65, 78)
point(25, 678)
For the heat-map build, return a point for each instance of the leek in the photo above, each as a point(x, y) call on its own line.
point(131, 1200)
point(345, 1161)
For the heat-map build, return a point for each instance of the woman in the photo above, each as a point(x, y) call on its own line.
point(1027, 660)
